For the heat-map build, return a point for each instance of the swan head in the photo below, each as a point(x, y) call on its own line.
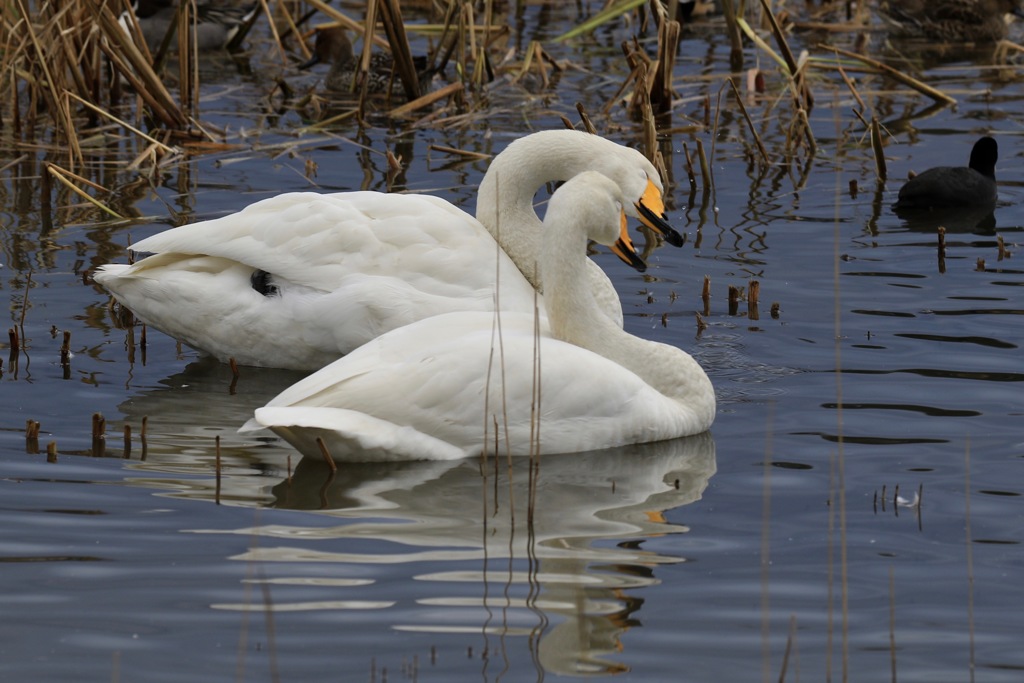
point(596, 204)
point(638, 178)
point(623, 246)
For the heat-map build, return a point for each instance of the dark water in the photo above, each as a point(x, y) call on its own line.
point(690, 560)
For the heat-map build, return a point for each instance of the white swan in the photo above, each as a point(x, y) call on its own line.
point(299, 279)
point(441, 388)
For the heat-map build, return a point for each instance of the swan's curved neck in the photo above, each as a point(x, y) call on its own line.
point(575, 317)
point(505, 199)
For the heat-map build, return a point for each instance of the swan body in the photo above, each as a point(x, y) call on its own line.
point(299, 279)
point(458, 384)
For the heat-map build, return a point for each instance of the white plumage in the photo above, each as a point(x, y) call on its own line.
point(453, 385)
point(299, 279)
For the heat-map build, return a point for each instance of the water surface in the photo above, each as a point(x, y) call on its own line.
point(701, 559)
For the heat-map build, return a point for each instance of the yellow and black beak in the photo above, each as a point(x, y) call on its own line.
point(652, 212)
point(623, 248)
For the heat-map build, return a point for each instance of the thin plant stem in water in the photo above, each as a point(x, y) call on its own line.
point(766, 555)
point(840, 459)
point(970, 558)
point(892, 622)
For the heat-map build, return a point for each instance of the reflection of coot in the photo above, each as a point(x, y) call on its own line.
point(977, 219)
point(973, 185)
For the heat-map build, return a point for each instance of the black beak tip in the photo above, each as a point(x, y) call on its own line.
point(630, 257)
point(673, 237)
point(661, 226)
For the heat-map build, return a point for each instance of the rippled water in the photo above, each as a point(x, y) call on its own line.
point(689, 560)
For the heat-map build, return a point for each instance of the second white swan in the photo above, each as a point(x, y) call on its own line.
point(458, 384)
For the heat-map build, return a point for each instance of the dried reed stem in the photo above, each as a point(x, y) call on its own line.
point(60, 173)
point(216, 468)
point(426, 100)
point(326, 454)
point(896, 75)
point(391, 16)
point(750, 124)
point(942, 249)
point(878, 149)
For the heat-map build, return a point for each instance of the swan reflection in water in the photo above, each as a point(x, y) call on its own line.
point(457, 537)
point(466, 543)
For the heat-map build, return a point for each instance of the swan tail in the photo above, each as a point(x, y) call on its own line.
point(349, 435)
point(109, 272)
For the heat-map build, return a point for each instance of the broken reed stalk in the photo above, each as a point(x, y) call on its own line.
point(188, 59)
point(790, 641)
point(401, 54)
point(51, 452)
point(124, 124)
point(15, 341)
point(426, 100)
point(876, 147)
point(733, 30)
point(690, 174)
point(31, 436)
point(896, 75)
point(363, 70)
point(99, 436)
point(458, 152)
point(610, 12)
point(750, 124)
point(650, 132)
point(706, 295)
point(143, 440)
point(65, 349)
point(127, 442)
point(216, 469)
point(705, 169)
point(534, 55)
point(734, 299)
point(668, 45)
point(802, 91)
point(326, 454)
point(753, 294)
point(852, 88)
point(942, 249)
point(60, 174)
point(588, 125)
point(236, 40)
point(812, 146)
point(57, 104)
point(126, 57)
